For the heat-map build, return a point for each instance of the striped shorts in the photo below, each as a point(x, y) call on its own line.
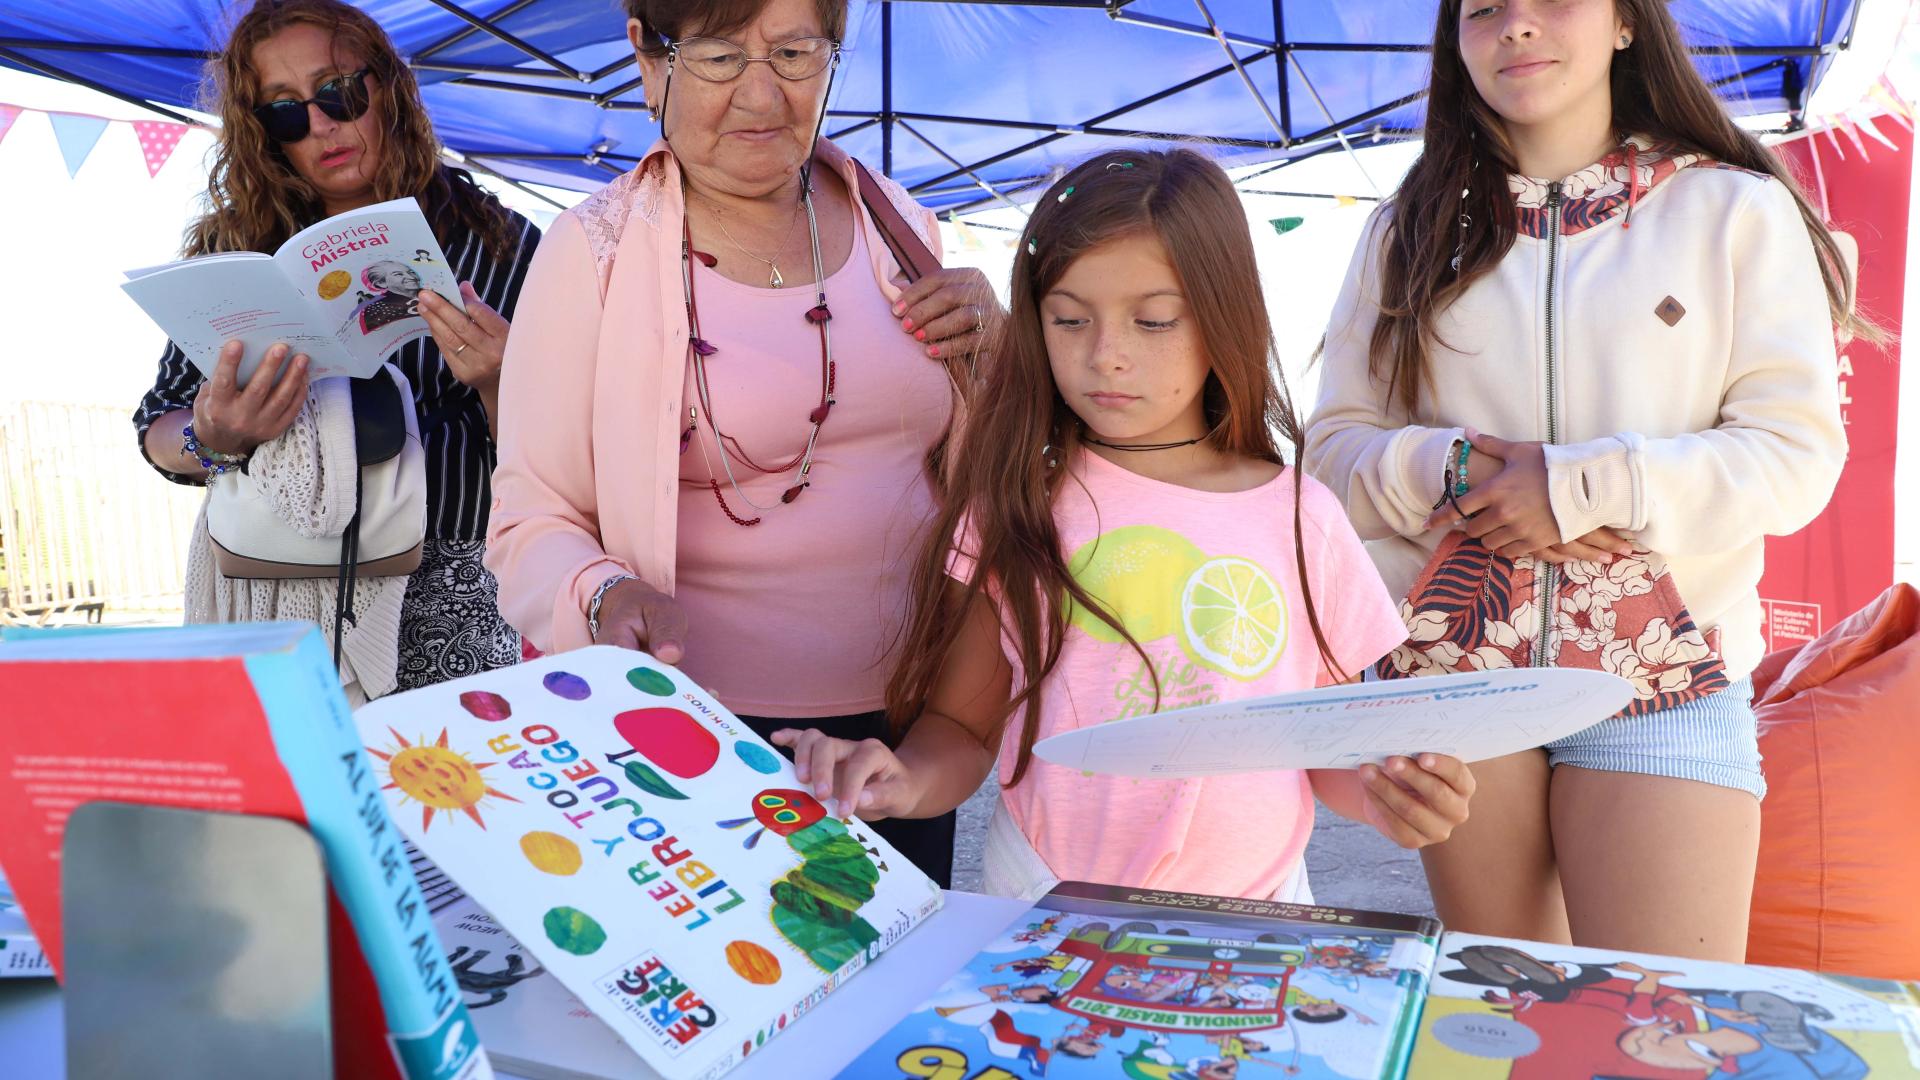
point(1713, 739)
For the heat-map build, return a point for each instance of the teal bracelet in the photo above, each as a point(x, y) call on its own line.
point(1460, 470)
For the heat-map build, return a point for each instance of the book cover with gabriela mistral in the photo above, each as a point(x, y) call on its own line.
point(242, 719)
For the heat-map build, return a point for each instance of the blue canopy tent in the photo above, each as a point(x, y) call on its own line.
point(967, 102)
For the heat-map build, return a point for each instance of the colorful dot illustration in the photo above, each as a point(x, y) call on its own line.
point(485, 706)
point(648, 681)
point(574, 930)
point(758, 758)
point(565, 684)
point(671, 739)
point(551, 852)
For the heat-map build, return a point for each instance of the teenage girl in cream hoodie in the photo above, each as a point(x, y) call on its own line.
point(1610, 363)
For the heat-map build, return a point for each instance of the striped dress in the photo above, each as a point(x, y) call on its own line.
point(450, 622)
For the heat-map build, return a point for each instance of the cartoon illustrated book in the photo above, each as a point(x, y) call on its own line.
point(1517, 1010)
point(242, 719)
point(1099, 981)
point(644, 846)
point(345, 291)
point(1471, 715)
point(21, 956)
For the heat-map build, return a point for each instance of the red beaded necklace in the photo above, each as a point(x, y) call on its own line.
point(699, 349)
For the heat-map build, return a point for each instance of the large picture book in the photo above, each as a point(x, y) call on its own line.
point(345, 291)
point(644, 847)
point(1099, 981)
point(244, 719)
point(1501, 1009)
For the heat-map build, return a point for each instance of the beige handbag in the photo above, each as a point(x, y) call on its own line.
point(390, 504)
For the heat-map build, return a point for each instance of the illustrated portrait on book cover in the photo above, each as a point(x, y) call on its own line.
point(396, 295)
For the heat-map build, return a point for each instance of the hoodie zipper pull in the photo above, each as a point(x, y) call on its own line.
point(1553, 193)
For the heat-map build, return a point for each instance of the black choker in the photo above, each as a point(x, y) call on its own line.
point(1149, 446)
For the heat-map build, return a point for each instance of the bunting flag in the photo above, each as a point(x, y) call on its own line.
point(77, 135)
point(157, 142)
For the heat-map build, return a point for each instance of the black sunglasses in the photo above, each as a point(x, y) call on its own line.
point(343, 98)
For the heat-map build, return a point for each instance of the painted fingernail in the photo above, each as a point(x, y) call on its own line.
point(919, 335)
point(1398, 765)
point(899, 307)
point(1427, 761)
point(933, 351)
point(908, 323)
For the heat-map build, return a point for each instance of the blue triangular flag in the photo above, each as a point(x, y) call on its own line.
point(77, 136)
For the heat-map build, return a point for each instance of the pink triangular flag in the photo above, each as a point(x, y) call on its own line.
point(8, 114)
point(1852, 133)
point(157, 141)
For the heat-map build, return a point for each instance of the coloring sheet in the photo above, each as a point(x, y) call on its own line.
point(1471, 716)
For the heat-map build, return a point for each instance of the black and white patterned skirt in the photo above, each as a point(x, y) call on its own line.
point(450, 623)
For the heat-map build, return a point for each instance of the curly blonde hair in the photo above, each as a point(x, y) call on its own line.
point(255, 200)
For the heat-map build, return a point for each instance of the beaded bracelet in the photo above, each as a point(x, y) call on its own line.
point(214, 461)
point(1460, 469)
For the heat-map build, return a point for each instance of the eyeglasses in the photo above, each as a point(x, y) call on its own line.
point(343, 98)
point(718, 60)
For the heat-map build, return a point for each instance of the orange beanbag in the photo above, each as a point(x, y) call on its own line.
point(1838, 887)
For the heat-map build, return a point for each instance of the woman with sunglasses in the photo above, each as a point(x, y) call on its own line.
point(320, 116)
point(724, 393)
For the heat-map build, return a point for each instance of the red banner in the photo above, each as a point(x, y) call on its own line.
point(1844, 559)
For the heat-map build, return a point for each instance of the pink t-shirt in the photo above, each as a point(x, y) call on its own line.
point(793, 617)
point(1208, 584)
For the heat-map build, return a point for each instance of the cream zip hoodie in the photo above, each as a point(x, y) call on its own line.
point(1665, 328)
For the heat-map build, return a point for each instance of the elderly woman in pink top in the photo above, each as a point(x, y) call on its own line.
point(721, 392)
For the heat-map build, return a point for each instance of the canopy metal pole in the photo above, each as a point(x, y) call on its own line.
point(459, 36)
point(1239, 69)
point(1337, 133)
point(52, 72)
point(486, 27)
point(886, 88)
point(1280, 65)
point(478, 166)
point(988, 188)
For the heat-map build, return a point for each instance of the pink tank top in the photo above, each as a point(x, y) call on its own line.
point(796, 616)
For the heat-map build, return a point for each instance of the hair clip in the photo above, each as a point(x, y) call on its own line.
point(1032, 248)
point(1063, 195)
point(1112, 165)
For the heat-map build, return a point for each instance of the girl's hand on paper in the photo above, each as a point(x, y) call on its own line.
point(232, 419)
point(863, 778)
point(635, 615)
point(1417, 802)
point(473, 343)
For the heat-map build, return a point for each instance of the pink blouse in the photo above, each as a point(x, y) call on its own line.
point(588, 479)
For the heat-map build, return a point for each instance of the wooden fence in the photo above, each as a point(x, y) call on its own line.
point(86, 526)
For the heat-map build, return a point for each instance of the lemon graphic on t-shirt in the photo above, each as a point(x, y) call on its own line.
point(1233, 618)
point(1136, 572)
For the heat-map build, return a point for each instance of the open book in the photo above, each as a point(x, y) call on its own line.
point(345, 291)
point(643, 847)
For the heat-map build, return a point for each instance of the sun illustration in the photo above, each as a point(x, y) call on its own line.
point(437, 777)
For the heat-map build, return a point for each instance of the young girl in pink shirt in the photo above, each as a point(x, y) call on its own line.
point(1120, 535)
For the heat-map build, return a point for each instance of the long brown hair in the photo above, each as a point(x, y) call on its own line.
point(255, 199)
point(1656, 91)
point(1001, 489)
